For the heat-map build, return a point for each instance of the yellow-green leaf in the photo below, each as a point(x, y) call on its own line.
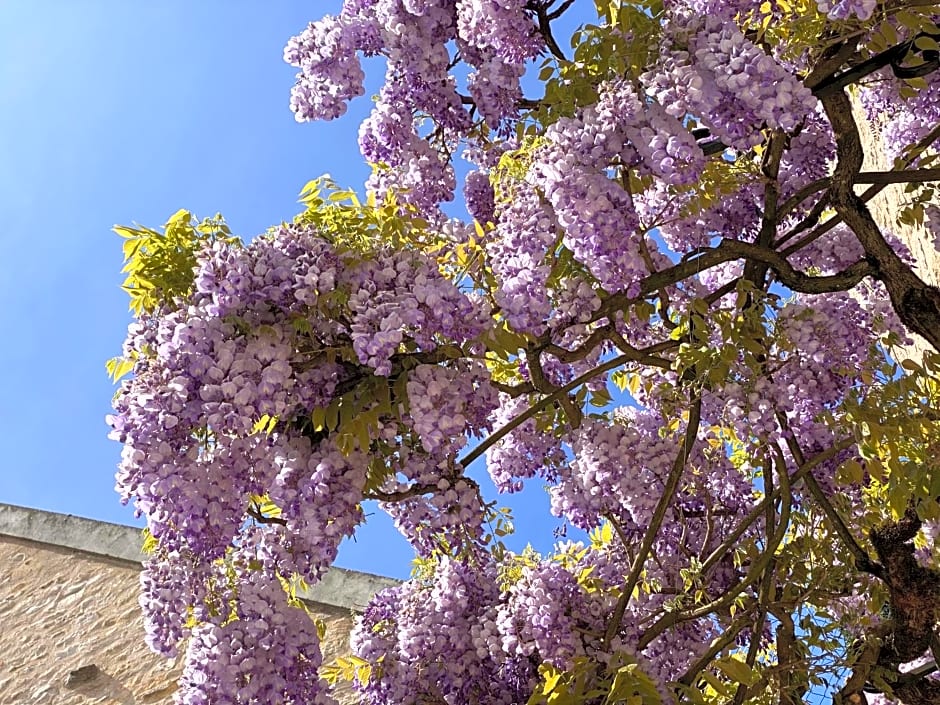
point(736, 670)
point(118, 367)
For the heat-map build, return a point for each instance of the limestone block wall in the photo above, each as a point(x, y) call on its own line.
point(71, 632)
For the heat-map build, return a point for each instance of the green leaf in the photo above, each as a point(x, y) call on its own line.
point(693, 695)
point(331, 419)
point(851, 472)
point(160, 265)
point(602, 535)
point(265, 505)
point(265, 425)
point(118, 367)
point(347, 668)
point(717, 684)
point(699, 306)
point(908, 19)
point(736, 670)
point(150, 543)
point(551, 682)
point(619, 378)
point(600, 398)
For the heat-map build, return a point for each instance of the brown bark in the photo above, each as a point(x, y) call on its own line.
point(914, 599)
point(916, 302)
point(914, 591)
point(884, 209)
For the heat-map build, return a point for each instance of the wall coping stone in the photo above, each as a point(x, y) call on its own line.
point(339, 587)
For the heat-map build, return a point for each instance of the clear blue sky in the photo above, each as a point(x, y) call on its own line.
point(120, 112)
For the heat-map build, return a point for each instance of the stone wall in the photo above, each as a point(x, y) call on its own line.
point(70, 627)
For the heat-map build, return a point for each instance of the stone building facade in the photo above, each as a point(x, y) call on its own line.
point(70, 626)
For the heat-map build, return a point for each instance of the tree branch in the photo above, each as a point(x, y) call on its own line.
point(755, 271)
point(893, 56)
point(256, 514)
point(792, 689)
point(545, 29)
point(755, 572)
point(659, 513)
point(902, 176)
point(727, 251)
point(732, 538)
point(560, 10)
point(509, 426)
point(883, 178)
point(728, 635)
point(916, 303)
point(411, 491)
point(833, 58)
point(863, 561)
point(767, 581)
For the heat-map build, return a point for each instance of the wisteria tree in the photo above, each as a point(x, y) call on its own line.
point(671, 306)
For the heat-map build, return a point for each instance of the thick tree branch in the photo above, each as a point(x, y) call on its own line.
point(832, 60)
point(792, 672)
point(914, 598)
point(893, 57)
point(902, 176)
point(560, 10)
point(755, 271)
point(883, 178)
point(914, 590)
point(916, 303)
point(852, 692)
point(545, 29)
point(730, 250)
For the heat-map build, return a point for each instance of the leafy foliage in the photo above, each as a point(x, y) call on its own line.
point(159, 264)
point(672, 308)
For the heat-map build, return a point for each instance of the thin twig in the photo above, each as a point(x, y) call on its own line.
point(728, 635)
point(672, 483)
point(755, 572)
point(542, 403)
point(862, 560)
point(770, 518)
point(411, 491)
point(732, 538)
point(256, 514)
